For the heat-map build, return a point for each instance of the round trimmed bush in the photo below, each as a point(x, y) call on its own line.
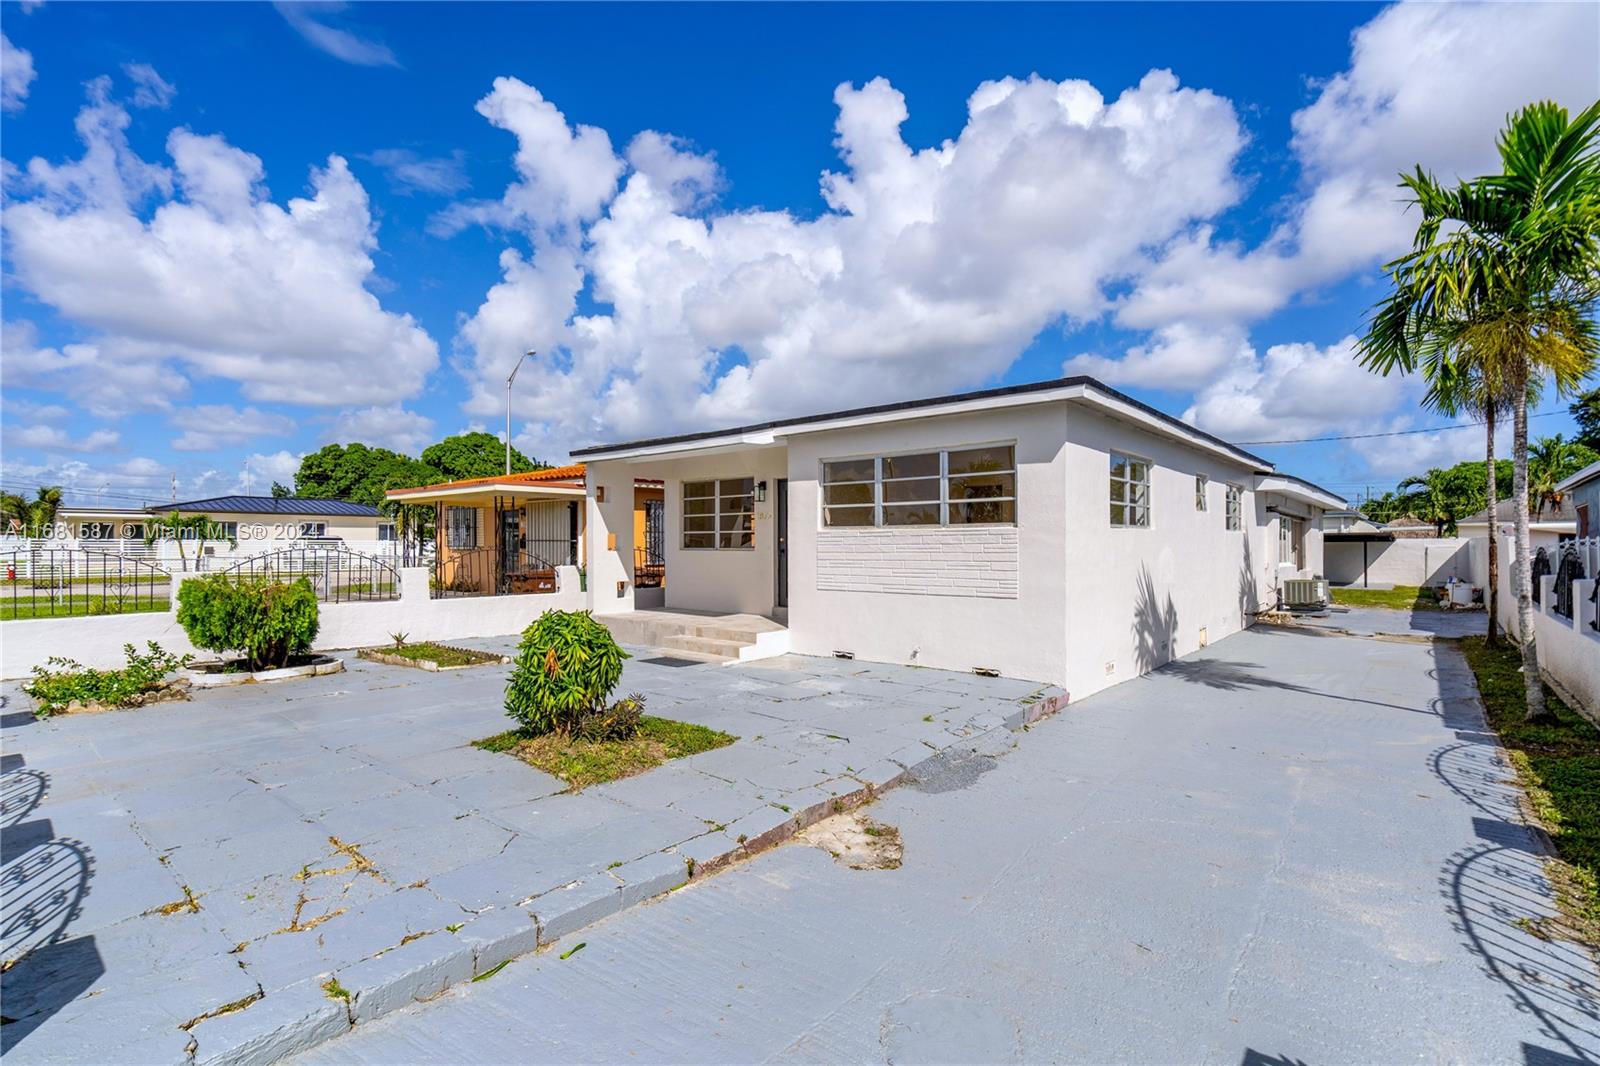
point(269, 622)
point(566, 666)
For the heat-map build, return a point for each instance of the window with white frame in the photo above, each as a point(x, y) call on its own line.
point(1235, 509)
point(1289, 540)
point(1201, 484)
point(461, 527)
point(951, 487)
point(1130, 491)
point(720, 514)
point(386, 531)
point(313, 529)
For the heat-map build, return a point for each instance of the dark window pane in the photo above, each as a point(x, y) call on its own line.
point(911, 514)
point(919, 490)
point(739, 486)
point(847, 494)
point(847, 516)
point(848, 470)
point(737, 521)
point(983, 486)
point(699, 540)
point(1119, 466)
point(986, 512)
point(1119, 491)
point(1139, 471)
point(699, 489)
point(926, 465)
point(698, 523)
point(978, 460)
point(706, 506)
point(736, 540)
point(1119, 514)
point(737, 504)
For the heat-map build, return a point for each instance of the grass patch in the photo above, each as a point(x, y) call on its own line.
point(426, 651)
point(1558, 763)
point(581, 763)
point(1400, 598)
point(22, 608)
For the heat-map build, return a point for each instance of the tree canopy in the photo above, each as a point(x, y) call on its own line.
point(1586, 412)
point(1452, 494)
point(475, 455)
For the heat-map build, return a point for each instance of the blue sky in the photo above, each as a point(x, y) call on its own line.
point(235, 232)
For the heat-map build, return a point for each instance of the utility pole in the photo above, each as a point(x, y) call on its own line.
point(174, 486)
point(509, 379)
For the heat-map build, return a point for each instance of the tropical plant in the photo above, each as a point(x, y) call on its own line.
point(566, 666)
point(475, 455)
point(1585, 411)
point(269, 622)
point(14, 512)
point(1506, 266)
point(63, 681)
point(180, 527)
point(1428, 497)
point(1551, 461)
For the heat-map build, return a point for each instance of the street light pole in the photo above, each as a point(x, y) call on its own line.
point(509, 379)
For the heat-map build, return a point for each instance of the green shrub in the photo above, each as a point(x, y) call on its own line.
point(566, 666)
point(55, 687)
point(266, 621)
point(620, 721)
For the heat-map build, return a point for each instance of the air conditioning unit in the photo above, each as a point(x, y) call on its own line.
point(1302, 592)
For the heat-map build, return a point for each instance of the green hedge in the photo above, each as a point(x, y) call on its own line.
point(269, 622)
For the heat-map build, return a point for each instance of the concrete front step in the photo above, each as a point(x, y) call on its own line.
point(725, 649)
point(733, 637)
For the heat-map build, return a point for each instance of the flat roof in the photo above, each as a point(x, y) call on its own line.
point(285, 505)
point(1079, 381)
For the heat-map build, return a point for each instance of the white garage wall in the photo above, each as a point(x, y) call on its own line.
point(1409, 561)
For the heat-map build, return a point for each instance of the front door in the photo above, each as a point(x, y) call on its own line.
point(780, 538)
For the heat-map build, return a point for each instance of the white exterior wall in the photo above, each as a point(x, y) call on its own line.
point(1409, 561)
point(952, 597)
point(1569, 649)
point(1137, 598)
point(97, 641)
point(730, 581)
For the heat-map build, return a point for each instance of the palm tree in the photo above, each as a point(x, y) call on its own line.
point(1427, 497)
point(180, 527)
point(1464, 382)
point(14, 512)
point(1506, 266)
point(1551, 461)
point(43, 508)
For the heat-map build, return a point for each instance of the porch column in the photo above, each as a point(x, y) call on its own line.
point(608, 536)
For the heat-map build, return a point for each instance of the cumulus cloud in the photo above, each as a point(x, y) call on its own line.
point(216, 279)
point(55, 439)
point(150, 89)
point(212, 426)
point(410, 173)
point(16, 75)
point(261, 470)
point(930, 269)
point(392, 427)
point(306, 16)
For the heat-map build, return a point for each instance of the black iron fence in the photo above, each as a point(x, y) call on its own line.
point(62, 582)
point(490, 572)
point(337, 574)
point(649, 569)
point(1569, 568)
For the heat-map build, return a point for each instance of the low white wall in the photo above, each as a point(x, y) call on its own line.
point(1409, 561)
point(97, 641)
point(1568, 648)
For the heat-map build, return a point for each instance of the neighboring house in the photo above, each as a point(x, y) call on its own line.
point(1347, 522)
point(1060, 531)
point(257, 523)
point(507, 534)
point(1410, 526)
point(1580, 493)
point(1557, 522)
point(1361, 554)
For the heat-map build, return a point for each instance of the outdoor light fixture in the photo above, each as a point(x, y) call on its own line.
point(761, 492)
point(509, 379)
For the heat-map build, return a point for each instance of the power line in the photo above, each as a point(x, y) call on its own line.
point(1390, 433)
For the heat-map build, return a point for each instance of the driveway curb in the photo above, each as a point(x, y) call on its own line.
point(306, 1014)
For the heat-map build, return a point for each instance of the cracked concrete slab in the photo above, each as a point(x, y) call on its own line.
point(342, 829)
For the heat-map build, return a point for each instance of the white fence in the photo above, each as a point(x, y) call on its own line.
point(97, 640)
point(1404, 561)
point(214, 554)
point(1569, 648)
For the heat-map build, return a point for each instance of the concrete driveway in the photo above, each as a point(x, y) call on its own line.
point(183, 883)
point(1292, 847)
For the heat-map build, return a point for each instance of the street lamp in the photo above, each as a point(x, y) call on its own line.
point(509, 379)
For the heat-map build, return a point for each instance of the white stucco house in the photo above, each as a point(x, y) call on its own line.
point(1058, 531)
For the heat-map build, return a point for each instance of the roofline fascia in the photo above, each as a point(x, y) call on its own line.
point(492, 489)
point(1592, 470)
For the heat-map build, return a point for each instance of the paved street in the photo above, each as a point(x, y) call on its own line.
point(1292, 847)
point(182, 880)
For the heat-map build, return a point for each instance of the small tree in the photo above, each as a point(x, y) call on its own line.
point(180, 527)
point(566, 667)
point(269, 622)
